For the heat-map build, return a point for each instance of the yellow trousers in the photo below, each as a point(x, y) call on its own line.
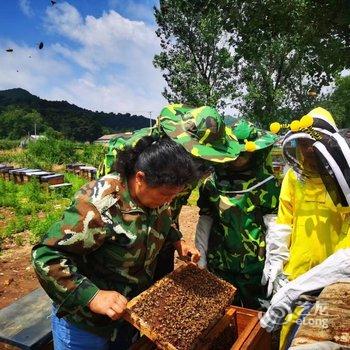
point(289, 323)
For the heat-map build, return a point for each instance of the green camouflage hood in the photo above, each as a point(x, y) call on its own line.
point(250, 137)
point(201, 131)
point(119, 144)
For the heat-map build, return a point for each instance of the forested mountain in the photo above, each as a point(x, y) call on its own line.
point(21, 109)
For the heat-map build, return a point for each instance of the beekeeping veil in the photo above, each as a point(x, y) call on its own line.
point(315, 148)
point(333, 156)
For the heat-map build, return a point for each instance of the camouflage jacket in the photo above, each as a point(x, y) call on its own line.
point(119, 144)
point(104, 241)
point(237, 235)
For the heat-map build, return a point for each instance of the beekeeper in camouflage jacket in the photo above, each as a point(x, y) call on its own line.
point(233, 202)
point(201, 131)
point(104, 248)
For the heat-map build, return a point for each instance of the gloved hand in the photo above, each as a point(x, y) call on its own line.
point(334, 268)
point(202, 238)
point(277, 253)
point(280, 281)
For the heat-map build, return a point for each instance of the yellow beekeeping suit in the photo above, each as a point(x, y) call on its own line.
point(319, 229)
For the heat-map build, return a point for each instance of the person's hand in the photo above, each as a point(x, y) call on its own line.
point(335, 268)
point(187, 252)
point(280, 281)
point(275, 315)
point(109, 303)
point(272, 275)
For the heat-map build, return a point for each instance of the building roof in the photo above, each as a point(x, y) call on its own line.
point(107, 138)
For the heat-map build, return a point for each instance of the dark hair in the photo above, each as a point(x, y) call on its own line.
point(163, 161)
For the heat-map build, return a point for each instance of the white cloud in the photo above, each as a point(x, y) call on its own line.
point(31, 69)
point(104, 63)
point(25, 7)
point(113, 49)
point(111, 96)
point(110, 38)
point(64, 19)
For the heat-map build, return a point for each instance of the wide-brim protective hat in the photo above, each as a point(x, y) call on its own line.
point(332, 150)
point(250, 137)
point(201, 131)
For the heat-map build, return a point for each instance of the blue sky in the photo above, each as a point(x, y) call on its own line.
point(97, 53)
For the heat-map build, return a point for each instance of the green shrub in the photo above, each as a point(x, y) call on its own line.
point(39, 227)
point(44, 153)
point(76, 181)
point(9, 144)
point(15, 225)
point(91, 154)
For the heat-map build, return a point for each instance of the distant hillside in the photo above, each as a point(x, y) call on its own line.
point(72, 121)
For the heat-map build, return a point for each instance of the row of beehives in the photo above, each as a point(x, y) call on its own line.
point(23, 175)
point(83, 170)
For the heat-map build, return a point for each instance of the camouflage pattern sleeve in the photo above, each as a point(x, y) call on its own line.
point(269, 197)
point(175, 207)
point(56, 258)
point(204, 203)
point(179, 201)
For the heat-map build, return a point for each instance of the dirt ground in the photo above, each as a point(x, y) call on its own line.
point(17, 277)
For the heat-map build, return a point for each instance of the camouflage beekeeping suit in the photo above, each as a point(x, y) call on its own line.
point(104, 241)
point(237, 202)
point(201, 131)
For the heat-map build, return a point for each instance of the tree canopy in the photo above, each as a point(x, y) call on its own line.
point(195, 60)
point(338, 102)
point(273, 52)
point(17, 122)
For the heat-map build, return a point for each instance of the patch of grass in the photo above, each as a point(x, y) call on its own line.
point(15, 225)
point(39, 227)
point(12, 156)
point(76, 181)
point(19, 240)
point(34, 207)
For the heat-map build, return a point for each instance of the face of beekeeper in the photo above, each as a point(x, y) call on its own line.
point(308, 156)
